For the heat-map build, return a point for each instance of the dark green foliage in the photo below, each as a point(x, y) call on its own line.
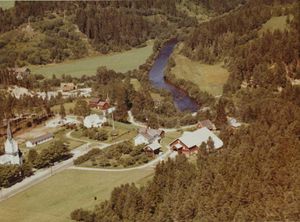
point(57, 151)
point(123, 154)
point(82, 108)
point(11, 174)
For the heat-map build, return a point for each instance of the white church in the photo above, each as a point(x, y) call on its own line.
point(12, 153)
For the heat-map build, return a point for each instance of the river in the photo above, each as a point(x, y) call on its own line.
point(156, 75)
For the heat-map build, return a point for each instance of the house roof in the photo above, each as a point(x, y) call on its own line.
point(41, 138)
point(154, 146)
point(94, 100)
point(149, 133)
point(196, 138)
point(206, 123)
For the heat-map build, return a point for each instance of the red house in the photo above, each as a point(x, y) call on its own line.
point(94, 102)
point(189, 142)
point(98, 104)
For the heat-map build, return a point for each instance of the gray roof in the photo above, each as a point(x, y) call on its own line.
point(42, 138)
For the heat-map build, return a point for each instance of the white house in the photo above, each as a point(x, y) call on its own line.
point(39, 140)
point(12, 153)
point(94, 120)
point(233, 122)
point(147, 136)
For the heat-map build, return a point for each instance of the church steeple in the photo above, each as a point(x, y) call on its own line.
point(9, 134)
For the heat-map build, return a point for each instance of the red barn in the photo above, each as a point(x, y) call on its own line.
point(189, 142)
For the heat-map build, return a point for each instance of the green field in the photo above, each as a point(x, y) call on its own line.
point(209, 78)
point(120, 62)
point(54, 199)
point(7, 4)
point(278, 22)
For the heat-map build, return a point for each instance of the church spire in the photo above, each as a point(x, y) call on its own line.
point(9, 134)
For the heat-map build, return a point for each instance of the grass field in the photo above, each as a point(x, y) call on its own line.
point(54, 199)
point(274, 23)
point(209, 78)
point(120, 62)
point(5, 4)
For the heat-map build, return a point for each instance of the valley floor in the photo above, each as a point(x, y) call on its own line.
point(55, 198)
point(120, 62)
point(209, 78)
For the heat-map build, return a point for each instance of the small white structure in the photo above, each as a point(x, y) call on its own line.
point(233, 122)
point(153, 148)
point(39, 140)
point(147, 136)
point(94, 120)
point(12, 153)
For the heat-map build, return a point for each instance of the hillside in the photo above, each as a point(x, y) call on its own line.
point(256, 175)
point(51, 39)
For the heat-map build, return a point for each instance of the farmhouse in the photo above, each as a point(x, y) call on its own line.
point(39, 140)
point(98, 104)
point(66, 87)
point(94, 120)
point(190, 142)
point(148, 135)
point(153, 148)
point(206, 123)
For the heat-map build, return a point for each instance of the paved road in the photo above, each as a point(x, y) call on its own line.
point(150, 165)
point(139, 124)
point(43, 174)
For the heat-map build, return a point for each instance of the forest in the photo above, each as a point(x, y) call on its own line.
point(255, 177)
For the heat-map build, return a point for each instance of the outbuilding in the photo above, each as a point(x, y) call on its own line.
point(39, 140)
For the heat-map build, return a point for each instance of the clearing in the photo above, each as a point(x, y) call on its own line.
point(55, 198)
point(273, 23)
point(120, 62)
point(6, 4)
point(209, 78)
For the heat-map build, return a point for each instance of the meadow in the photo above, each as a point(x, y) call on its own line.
point(6, 4)
point(278, 22)
point(120, 62)
point(209, 78)
point(54, 198)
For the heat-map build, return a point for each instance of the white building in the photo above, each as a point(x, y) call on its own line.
point(94, 120)
point(147, 136)
point(233, 122)
point(39, 140)
point(12, 153)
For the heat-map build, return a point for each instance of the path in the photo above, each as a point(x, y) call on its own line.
point(150, 164)
point(43, 174)
point(139, 124)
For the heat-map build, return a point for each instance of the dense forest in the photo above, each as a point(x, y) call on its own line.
point(255, 177)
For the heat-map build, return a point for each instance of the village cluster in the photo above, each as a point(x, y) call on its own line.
point(188, 143)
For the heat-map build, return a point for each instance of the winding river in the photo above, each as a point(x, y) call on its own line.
point(156, 75)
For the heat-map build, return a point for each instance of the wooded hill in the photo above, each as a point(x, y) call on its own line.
point(256, 175)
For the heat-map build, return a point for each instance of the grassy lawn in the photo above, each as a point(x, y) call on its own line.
point(5, 4)
point(120, 62)
point(125, 132)
point(67, 106)
point(169, 137)
point(54, 198)
point(136, 84)
point(209, 78)
point(59, 135)
point(278, 22)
